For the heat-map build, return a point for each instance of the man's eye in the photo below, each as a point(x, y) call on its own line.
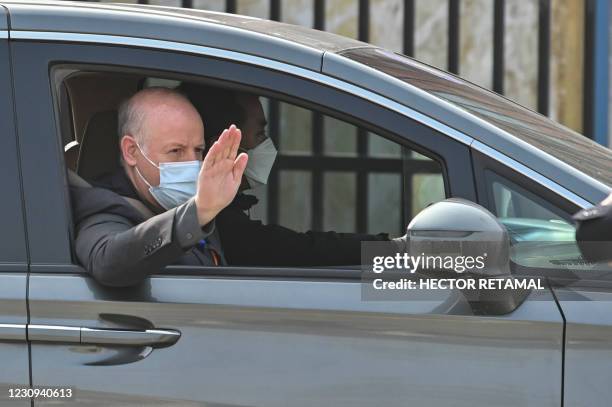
point(175, 150)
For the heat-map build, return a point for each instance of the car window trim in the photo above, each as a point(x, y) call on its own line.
point(531, 174)
point(336, 273)
point(248, 59)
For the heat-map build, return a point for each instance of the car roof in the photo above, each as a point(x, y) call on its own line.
point(300, 46)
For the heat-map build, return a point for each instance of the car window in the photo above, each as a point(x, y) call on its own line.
point(329, 174)
point(541, 235)
point(333, 175)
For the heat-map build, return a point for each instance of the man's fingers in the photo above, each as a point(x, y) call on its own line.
point(227, 142)
point(239, 166)
point(236, 137)
point(213, 154)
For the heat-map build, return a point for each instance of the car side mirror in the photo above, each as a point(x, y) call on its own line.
point(463, 229)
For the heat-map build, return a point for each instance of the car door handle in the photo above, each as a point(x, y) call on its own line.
point(103, 336)
point(148, 337)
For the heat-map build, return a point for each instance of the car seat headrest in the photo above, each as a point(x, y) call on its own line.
point(99, 151)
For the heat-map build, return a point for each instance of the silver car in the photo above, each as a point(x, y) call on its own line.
point(257, 336)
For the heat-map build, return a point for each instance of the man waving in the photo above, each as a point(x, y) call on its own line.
point(159, 207)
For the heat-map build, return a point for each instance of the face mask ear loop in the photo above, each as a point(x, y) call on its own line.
point(149, 160)
point(142, 178)
point(145, 156)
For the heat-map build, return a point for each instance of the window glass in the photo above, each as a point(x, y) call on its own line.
point(339, 201)
point(385, 197)
point(426, 189)
point(295, 129)
point(295, 208)
point(340, 139)
point(540, 236)
point(357, 182)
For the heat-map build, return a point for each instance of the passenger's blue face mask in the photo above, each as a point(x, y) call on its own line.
point(177, 181)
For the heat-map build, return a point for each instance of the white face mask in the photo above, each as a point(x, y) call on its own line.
point(261, 160)
point(177, 181)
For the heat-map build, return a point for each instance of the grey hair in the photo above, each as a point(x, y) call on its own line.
point(132, 112)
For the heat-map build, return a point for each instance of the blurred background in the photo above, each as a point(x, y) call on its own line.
point(552, 56)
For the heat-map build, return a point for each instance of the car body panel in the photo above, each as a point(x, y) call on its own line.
point(586, 307)
point(133, 22)
point(15, 371)
point(67, 16)
point(274, 342)
point(14, 357)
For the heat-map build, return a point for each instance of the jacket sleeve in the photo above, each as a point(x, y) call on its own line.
point(249, 242)
point(118, 253)
point(594, 233)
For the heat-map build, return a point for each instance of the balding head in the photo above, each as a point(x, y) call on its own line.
point(159, 124)
point(135, 113)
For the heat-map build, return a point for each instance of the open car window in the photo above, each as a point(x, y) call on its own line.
point(329, 175)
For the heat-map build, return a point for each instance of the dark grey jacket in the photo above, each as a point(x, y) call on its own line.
point(119, 246)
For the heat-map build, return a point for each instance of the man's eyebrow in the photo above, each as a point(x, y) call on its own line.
point(174, 144)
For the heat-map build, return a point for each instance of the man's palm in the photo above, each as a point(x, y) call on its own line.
point(220, 175)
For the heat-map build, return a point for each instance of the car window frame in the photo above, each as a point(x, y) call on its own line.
point(483, 164)
point(44, 55)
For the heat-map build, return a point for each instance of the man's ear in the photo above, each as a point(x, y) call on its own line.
point(128, 148)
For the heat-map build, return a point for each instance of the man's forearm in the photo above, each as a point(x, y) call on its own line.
point(117, 253)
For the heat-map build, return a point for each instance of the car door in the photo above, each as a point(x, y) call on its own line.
point(257, 336)
point(14, 359)
point(585, 300)
point(545, 245)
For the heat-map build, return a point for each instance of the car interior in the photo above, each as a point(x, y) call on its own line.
point(87, 103)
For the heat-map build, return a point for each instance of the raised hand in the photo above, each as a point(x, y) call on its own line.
point(220, 175)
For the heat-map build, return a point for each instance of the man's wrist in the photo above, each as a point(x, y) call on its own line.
point(205, 215)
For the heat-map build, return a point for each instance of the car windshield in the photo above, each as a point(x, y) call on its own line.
point(534, 128)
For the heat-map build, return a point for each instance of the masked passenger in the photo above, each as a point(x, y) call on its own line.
point(250, 242)
point(157, 208)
